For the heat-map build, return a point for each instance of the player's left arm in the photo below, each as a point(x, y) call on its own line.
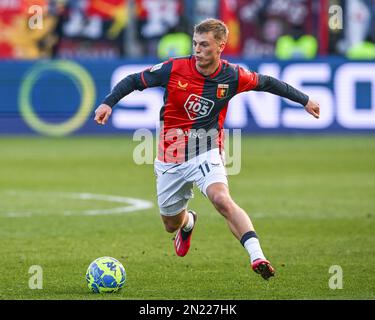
point(282, 89)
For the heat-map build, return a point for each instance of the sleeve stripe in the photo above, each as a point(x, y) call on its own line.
point(256, 79)
point(143, 80)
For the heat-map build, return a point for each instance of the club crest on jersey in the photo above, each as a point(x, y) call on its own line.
point(181, 85)
point(222, 90)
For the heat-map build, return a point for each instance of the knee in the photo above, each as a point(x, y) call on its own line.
point(222, 202)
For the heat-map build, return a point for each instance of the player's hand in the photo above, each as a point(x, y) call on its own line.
point(102, 114)
point(313, 108)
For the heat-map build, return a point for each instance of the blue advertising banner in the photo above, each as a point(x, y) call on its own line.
point(58, 97)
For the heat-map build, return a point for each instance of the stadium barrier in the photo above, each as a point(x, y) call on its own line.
point(58, 98)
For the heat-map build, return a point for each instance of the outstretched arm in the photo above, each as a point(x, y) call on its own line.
point(280, 88)
point(123, 88)
point(156, 76)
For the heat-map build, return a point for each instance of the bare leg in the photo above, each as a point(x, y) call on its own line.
point(173, 223)
point(241, 226)
point(237, 219)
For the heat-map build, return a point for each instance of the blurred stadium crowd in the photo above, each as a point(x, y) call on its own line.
point(283, 29)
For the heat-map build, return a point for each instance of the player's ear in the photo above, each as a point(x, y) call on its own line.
point(222, 46)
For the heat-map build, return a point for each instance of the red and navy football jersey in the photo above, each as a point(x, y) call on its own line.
point(195, 105)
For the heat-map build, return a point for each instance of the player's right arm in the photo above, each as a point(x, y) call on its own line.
point(283, 89)
point(156, 76)
point(249, 80)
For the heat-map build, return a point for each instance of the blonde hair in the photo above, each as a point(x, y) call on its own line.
point(218, 28)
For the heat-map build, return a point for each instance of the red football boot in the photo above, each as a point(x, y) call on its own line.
point(264, 268)
point(183, 238)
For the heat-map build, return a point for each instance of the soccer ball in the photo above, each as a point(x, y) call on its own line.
point(105, 275)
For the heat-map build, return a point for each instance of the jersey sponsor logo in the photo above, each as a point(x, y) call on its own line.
point(156, 67)
point(182, 86)
point(198, 107)
point(192, 133)
point(222, 90)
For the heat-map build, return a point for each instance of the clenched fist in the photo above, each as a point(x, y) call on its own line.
point(102, 114)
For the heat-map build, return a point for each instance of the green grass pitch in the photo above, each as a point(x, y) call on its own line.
point(311, 199)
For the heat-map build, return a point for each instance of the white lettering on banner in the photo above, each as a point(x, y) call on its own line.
point(316, 73)
point(264, 107)
point(151, 100)
point(346, 78)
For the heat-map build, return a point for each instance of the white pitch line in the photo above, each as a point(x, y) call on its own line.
point(133, 204)
point(17, 214)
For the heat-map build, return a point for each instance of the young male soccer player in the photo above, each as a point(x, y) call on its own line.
point(197, 91)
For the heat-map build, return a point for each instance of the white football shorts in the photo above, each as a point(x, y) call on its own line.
point(175, 181)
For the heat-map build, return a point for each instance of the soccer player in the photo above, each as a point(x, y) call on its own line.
point(197, 91)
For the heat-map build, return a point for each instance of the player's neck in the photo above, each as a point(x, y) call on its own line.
point(206, 71)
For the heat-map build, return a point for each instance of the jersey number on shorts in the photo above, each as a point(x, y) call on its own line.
point(205, 169)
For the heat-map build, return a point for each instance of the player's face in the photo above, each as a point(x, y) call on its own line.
point(207, 49)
